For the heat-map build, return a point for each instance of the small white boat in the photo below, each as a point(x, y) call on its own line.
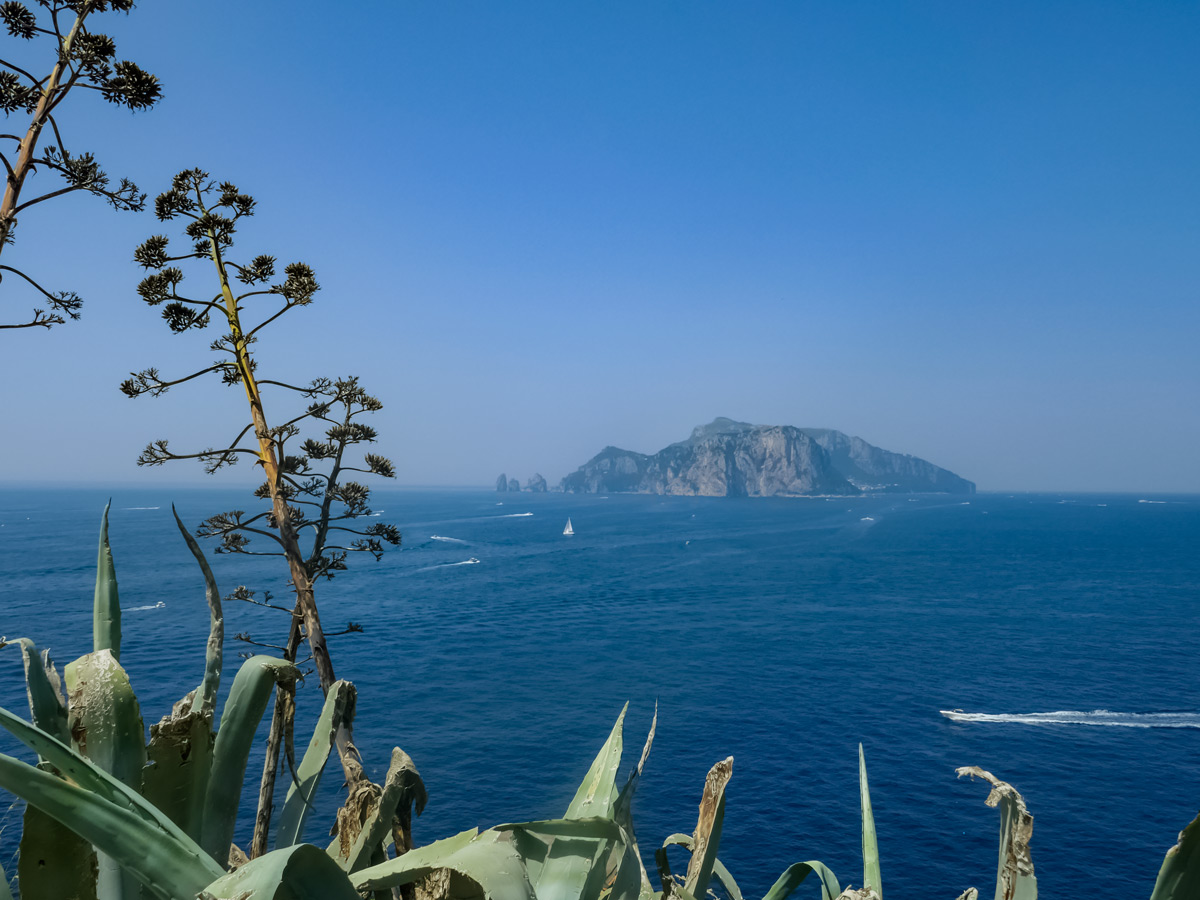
point(568, 529)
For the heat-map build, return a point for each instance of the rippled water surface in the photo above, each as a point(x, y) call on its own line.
point(498, 652)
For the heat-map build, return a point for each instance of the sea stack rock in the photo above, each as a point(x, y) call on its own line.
point(536, 484)
point(514, 485)
point(502, 483)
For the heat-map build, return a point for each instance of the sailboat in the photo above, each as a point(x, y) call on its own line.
point(568, 529)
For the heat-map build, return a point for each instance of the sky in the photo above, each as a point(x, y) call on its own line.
point(968, 232)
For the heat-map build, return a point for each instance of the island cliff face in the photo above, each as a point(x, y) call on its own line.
point(735, 459)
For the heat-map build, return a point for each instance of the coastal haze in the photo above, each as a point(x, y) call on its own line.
point(962, 233)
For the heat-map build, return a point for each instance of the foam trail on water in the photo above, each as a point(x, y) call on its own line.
point(512, 516)
point(140, 507)
point(159, 605)
point(1079, 717)
point(438, 537)
point(466, 562)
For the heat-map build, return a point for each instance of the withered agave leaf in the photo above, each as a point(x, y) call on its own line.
point(707, 837)
point(1014, 878)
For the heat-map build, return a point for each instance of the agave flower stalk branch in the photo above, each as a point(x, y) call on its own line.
point(83, 59)
point(306, 607)
point(268, 458)
point(41, 114)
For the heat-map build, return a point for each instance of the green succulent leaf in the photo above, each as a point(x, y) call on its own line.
point(47, 705)
point(795, 874)
point(298, 803)
point(106, 610)
point(5, 891)
point(169, 868)
point(870, 846)
point(623, 810)
point(597, 795)
point(484, 859)
point(301, 872)
point(54, 861)
point(87, 774)
point(106, 727)
point(240, 719)
point(571, 864)
point(1179, 877)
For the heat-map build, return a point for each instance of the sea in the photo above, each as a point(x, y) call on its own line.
point(1059, 630)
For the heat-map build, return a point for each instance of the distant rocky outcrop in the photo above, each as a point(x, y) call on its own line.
point(514, 485)
point(536, 484)
point(736, 459)
point(502, 483)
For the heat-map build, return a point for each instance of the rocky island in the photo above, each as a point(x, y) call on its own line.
point(726, 458)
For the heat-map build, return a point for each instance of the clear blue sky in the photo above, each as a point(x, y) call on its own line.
point(969, 232)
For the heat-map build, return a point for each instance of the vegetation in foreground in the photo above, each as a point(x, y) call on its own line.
point(112, 817)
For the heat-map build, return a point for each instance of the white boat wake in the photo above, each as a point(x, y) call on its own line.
point(513, 516)
point(159, 605)
point(449, 540)
point(1079, 717)
point(466, 562)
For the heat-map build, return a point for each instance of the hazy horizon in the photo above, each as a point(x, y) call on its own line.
point(963, 233)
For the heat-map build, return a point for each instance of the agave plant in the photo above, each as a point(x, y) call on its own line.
point(105, 807)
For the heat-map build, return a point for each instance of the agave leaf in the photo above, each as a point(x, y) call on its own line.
point(623, 810)
point(707, 837)
point(205, 699)
point(575, 868)
point(794, 874)
point(5, 891)
point(719, 871)
point(1014, 878)
point(106, 610)
point(597, 794)
point(403, 783)
point(54, 861)
point(298, 802)
point(87, 774)
point(105, 720)
point(106, 726)
point(491, 863)
point(572, 863)
point(870, 846)
point(588, 842)
point(594, 828)
point(169, 867)
point(300, 872)
point(47, 705)
point(180, 754)
point(1179, 877)
point(240, 718)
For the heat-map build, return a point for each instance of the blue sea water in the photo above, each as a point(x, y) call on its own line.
point(498, 652)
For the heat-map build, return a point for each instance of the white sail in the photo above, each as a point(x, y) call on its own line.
point(568, 529)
